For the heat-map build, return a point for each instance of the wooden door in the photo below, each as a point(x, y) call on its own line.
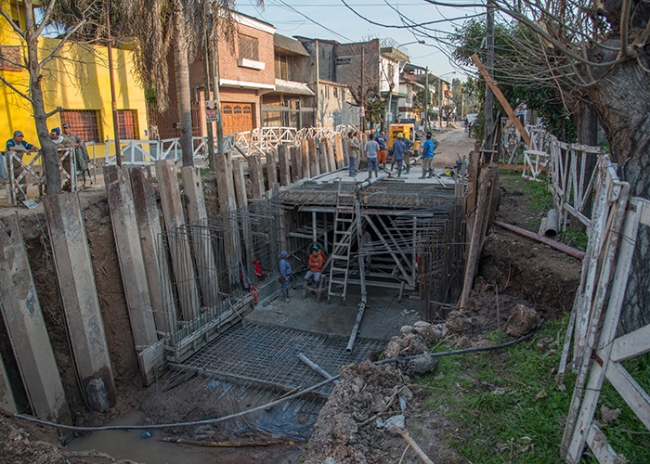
point(237, 117)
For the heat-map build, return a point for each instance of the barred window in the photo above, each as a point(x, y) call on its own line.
point(84, 123)
point(127, 123)
point(248, 48)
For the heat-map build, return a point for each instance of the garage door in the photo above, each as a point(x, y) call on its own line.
point(237, 117)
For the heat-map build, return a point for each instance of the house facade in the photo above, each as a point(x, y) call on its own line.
point(77, 81)
point(291, 103)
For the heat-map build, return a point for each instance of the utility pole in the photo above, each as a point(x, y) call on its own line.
point(426, 100)
point(362, 121)
point(215, 88)
point(440, 104)
point(109, 47)
point(208, 79)
point(489, 64)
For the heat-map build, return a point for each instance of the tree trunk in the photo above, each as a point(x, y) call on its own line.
point(622, 101)
point(587, 125)
point(184, 94)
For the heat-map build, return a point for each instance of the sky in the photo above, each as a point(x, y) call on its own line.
point(332, 19)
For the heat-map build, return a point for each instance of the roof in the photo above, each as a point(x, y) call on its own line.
point(292, 87)
point(289, 45)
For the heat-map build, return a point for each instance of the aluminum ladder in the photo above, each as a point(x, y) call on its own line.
point(345, 223)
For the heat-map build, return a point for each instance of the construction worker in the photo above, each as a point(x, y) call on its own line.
point(381, 153)
point(428, 152)
point(398, 152)
point(285, 274)
point(316, 263)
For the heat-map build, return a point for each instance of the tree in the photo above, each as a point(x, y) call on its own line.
point(34, 65)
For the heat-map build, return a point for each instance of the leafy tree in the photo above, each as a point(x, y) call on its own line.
point(34, 64)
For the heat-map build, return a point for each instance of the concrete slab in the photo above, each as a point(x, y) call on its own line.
point(7, 401)
point(413, 177)
point(129, 253)
point(383, 317)
point(80, 301)
point(25, 326)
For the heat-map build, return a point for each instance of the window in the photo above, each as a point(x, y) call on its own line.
point(247, 110)
point(237, 109)
point(248, 48)
point(227, 109)
point(127, 123)
point(10, 59)
point(336, 92)
point(282, 63)
point(343, 61)
point(84, 123)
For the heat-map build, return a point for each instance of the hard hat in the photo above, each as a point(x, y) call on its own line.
point(400, 136)
point(283, 254)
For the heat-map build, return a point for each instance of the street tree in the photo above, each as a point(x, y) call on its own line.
point(35, 60)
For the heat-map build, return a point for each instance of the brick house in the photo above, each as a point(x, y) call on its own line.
point(246, 73)
point(291, 103)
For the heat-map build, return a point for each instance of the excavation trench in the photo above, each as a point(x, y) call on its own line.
point(218, 352)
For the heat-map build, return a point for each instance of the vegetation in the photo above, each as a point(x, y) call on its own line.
point(506, 406)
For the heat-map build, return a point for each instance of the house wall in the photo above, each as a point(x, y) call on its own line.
point(78, 80)
point(334, 106)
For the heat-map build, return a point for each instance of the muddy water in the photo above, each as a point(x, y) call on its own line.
point(129, 444)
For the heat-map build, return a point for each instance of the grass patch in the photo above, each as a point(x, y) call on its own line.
point(575, 239)
point(541, 200)
point(506, 406)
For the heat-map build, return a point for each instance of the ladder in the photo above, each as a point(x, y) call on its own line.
point(345, 223)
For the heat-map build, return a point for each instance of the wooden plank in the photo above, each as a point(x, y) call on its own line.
point(25, 326)
point(338, 149)
point(83, 314)
point(633, 394)
point(206, 265)
point(314, 165)
point(502, 99)
point(600, 447)
point(239, 182)
point(631, 345)
point(331, 161)
point(256, 175)
point(163, 301)
point(476, 240)
point(296, 163)
point(7, 401)
point(322, 157)
point(129, 253)
point(181, 256)
point(151, 361)
point(271, 172)
point(228, 204)
point(284, 165)
point(472, 185)
point(304, 154)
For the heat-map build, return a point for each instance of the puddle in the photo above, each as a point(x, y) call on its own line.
point(129, 444)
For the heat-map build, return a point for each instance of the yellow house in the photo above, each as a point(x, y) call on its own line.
point(76, 80)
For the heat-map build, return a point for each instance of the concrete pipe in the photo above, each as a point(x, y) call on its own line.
point(552, 224)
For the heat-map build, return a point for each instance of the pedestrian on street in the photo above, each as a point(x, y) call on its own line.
point(285, 274)
point(428, 152)
point(381, 153)
point(17, 146)
point(316, 263)
point(398, 153)
point(372, 147)
point(354, 150)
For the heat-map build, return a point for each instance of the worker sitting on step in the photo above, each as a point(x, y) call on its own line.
point(316, 263)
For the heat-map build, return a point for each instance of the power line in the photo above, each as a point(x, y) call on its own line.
point(313, 21)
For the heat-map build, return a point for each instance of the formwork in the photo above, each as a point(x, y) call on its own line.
point(413, 241)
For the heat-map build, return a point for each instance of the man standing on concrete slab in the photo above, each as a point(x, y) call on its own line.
point(372, 147)
point(428, 152)
point(408, 143)
point(316, 263)
point(398, 152)
point(381, 153)
point(285, 274)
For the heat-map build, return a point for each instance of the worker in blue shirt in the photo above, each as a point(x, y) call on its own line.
point(285, 274)
point(398, 153)
point(428, 152)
